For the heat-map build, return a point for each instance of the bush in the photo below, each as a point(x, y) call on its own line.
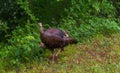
point(95, 26)
point(104, 26)
point(49, 12)
point(19, 41)
point(14, 13)
point(22, 47)
point(82, 11)
point(3, 31)
point(86, 19)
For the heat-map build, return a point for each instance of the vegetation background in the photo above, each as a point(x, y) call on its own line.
point(84, 20)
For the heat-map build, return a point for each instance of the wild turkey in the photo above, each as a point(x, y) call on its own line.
point(54, 38)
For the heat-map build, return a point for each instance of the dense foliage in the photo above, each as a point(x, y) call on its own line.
point(19, 31)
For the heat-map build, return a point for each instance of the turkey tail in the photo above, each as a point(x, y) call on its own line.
point(72, 41)
point(69, 40)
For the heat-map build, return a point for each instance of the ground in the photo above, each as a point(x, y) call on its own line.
point(101, 55)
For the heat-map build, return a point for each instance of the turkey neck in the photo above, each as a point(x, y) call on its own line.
point(41, 30)
point(42, 34)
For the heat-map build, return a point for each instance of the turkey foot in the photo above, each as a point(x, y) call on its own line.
point(53, 58)
point(60, 50)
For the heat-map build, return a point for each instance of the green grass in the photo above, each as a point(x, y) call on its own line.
point(101, 55)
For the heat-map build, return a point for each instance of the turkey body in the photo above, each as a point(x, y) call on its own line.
point(53, 38)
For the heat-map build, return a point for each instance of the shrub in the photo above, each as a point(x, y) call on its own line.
point(3, 31)
point(86, 19)
point(49, 12)
point(14, 13)
point(104, 26)
point(22, 47)
point(95, 26)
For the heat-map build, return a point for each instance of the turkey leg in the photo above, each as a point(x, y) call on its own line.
point(60, 50)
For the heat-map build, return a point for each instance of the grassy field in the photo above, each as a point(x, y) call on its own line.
point(101, 55)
